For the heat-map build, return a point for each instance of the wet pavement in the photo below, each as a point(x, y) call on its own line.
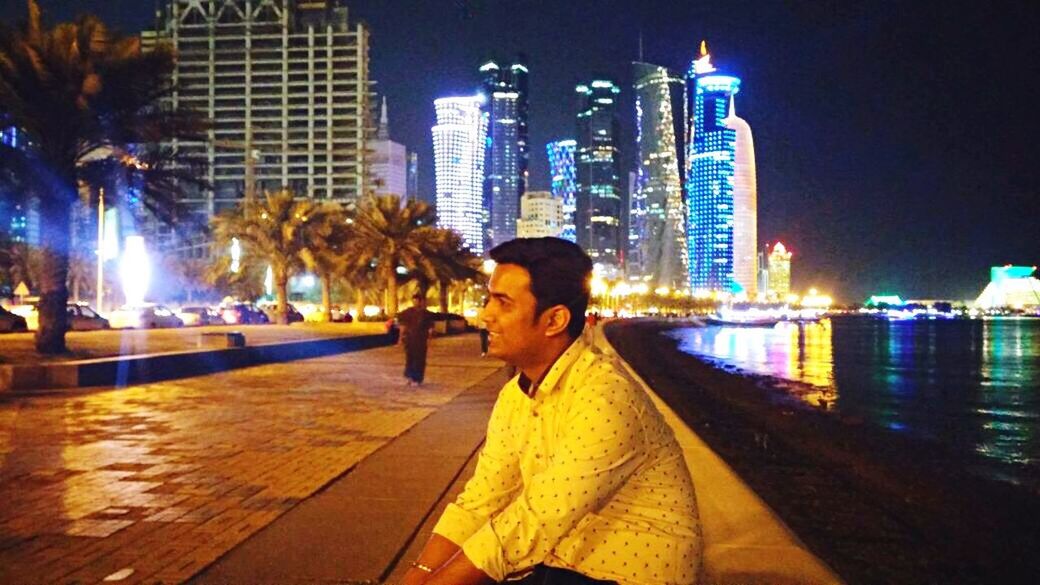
point(154, 482)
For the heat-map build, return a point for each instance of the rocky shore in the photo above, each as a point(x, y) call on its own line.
point(877, 506)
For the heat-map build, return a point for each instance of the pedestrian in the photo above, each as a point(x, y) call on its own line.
point(483, 330)
point(579, 480)
point(415, 324)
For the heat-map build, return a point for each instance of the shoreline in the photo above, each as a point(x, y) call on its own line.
point(878, 507)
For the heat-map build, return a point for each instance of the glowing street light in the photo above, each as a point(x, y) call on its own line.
point(135, 270)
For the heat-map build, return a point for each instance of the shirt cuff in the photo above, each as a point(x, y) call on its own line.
point(485, 551)
point(458, 524)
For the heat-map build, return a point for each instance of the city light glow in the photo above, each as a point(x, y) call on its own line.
point(135, 270)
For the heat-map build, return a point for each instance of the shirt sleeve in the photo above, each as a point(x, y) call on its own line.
point(603, 445)
point(495, 482)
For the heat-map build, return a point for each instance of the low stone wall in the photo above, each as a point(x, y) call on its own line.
point(136, 369)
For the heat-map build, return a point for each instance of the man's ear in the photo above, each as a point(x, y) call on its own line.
point(559, 317)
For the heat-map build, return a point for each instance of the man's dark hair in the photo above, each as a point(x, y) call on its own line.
point(560, 274)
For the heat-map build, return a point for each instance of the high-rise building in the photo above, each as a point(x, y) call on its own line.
point(413, 177)
point(710, 182)
point(763, 275)
point(389, 160)
point(19, 216)
point(659, 250)
point(506, 157)
point(598, 217)
point(541, 215)
point(745, 204)
point(458, 148)
point(564, 182)
point(779, 272)
point(286, 85)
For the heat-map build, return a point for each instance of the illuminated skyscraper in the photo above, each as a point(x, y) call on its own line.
point(458, 147)
point(745, 204)
point(658, 214)
point(711, 152)
point(564, 181)
point(779, 271)
point(598, 217)
point(506, 155)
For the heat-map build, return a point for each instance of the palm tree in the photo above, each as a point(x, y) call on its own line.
point(451, 261)
point(389, 235)
point(85, 97)
point(324, 253)
point(276, 229)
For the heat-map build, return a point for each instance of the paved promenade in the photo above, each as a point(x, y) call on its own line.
point(155, 482)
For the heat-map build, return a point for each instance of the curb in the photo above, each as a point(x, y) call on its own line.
point(136, 369)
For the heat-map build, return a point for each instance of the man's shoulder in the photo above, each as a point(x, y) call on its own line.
point(595, 368)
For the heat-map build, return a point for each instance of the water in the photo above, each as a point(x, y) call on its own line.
point(973, 385)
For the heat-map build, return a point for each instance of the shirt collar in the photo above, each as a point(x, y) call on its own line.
point(551, 377)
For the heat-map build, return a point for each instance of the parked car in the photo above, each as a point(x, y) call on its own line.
point(11, 322)
point(83, 318)
point(271, 310)
point(199, 315)
point(242, 314)
point(146, 316)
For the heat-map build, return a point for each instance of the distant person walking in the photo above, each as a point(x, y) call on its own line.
point(415, 324)
point(485, 338)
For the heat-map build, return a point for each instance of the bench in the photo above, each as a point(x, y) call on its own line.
point(225, 338)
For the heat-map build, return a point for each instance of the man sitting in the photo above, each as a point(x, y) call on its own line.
point(580, 480)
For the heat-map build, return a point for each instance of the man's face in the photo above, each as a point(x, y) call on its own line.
point(513, 331)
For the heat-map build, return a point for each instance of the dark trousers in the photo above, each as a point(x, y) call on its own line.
point(544, 575)
point(415, 359)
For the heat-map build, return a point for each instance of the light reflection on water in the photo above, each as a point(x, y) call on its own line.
point(973, 385)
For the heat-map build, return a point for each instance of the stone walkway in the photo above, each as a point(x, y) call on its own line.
point(154, 482)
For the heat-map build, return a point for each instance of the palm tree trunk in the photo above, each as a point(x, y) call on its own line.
point(326, 296)
point(282, 299)
point(444, 293)
point(54, 289)
point(359, 303)
point(391, 296)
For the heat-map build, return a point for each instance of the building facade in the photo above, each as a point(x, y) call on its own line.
point(745, 205)
point(779, 272)
point(506, 155)
point(541, 215)
point(286, 83)
point(413, 178)
point(658, 216)
point(458, 148)
point(600, 203)
point(389, 160)
point(564, 182)
point(711, 153)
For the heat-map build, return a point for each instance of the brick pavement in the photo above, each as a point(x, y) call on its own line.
point(154, 482)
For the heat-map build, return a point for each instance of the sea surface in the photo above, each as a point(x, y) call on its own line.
point(973, 385)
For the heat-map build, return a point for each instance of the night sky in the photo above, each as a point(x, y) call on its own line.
point(894, 140)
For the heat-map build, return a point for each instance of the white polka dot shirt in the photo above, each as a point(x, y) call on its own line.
point(585, 475)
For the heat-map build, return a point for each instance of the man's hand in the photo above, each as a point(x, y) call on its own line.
point(415, 576)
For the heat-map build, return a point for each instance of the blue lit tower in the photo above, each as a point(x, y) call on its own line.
point(658, 216)
point(504, 178)
point(564, 181)
point(598, 217)
point(458, 147)
point(711, 159)
point(518, 74)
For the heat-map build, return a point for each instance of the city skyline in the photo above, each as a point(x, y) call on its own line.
point(852, 173)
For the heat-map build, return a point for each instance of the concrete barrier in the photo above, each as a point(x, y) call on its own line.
point(745, 542)
point(137, 369)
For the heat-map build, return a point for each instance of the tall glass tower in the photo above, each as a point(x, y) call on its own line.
point(598, 217)
point(506, 154)
point(458, 147)
point(564, 181)
point(709, 184)
point(745, 204)
point(659, 251)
